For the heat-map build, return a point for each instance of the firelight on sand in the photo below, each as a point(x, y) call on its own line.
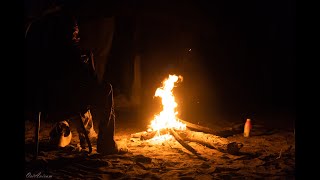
point(167, 119)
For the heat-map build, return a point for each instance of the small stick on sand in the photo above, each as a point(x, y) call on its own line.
point(37, 136)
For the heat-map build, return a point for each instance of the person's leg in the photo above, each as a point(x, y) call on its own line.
point(96, 35)
point(84, 122)
point(106, 143)
point(100, 99)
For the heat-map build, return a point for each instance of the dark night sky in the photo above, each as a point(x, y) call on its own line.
point(243, 52)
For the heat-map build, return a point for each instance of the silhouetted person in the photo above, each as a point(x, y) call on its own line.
point(78, 78)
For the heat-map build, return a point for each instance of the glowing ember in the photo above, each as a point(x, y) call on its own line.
point(167, 117)
point(156, 140)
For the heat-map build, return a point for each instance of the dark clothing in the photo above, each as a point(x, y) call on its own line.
point(90, 9)
point(96, 28)
point(59, 83)
point(96, 35)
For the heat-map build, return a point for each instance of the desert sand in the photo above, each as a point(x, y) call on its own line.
point(269, 155)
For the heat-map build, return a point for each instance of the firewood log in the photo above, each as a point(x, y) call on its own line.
point(211, 141)
point(198, 127)
point(185, 145)
point(226, 132)
point(145, 135)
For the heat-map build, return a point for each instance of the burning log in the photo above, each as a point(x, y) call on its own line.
point(198, 127)
point(167, 120)
point(146, 135)
point(211, 141)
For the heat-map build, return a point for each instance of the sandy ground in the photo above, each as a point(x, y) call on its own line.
point(269, 156)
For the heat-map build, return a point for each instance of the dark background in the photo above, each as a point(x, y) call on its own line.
point(237, 57)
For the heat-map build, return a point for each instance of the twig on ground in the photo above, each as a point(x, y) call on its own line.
point(141, 165)
point(279, 154)
point(37, 136)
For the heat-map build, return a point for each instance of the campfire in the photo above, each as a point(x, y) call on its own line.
point(166, 119)
point(166, 125)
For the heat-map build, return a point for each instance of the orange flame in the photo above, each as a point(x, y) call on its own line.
point(167, 118)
